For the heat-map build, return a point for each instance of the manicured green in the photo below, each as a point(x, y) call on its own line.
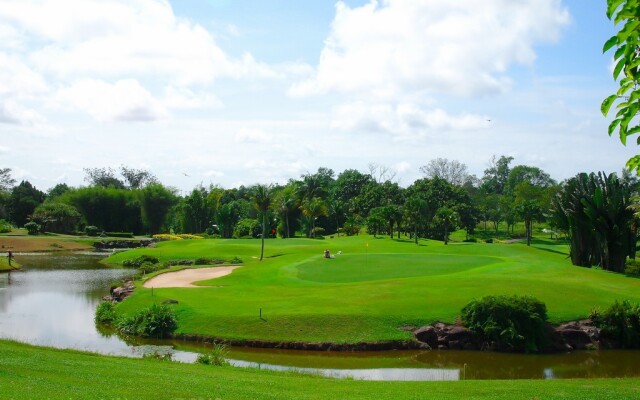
point(28, 372)
point(370, 290)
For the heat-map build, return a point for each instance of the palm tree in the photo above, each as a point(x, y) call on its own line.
point(313, 209)
point(448, 218)
point(262, 201)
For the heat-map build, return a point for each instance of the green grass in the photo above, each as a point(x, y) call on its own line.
point(28, 372)
point(371, 289)
point(4, 264)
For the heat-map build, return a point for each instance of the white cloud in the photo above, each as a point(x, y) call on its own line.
point(126, 100)
point(252, 135)
point(185, 98)
point(404, 120)
point(13, 113)
point(463, 48)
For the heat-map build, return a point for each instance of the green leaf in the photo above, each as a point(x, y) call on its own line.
point(633, 131)
point(613, 125)
point(613, 40)
point(620, 51)
point(612, 6)
point(619, 66)
point(606, 104)
point(634, 164)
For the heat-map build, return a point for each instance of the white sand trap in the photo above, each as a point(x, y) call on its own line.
point(186, 277)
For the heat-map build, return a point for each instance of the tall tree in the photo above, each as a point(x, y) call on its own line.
point(6, 181)
point(496, 175)
point(23, 201)
point(624, 14)
point(137, 178)
point(155, 202)
point(449, 220)
point(452, 171)
point(104, 177)
point(262, 199)
point(314, 209)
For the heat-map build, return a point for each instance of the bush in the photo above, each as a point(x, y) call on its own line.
point(514, 323)
point(156, 321)
point(490, 240)
point(163, 237)
point(148, 267)
point(32, 228)
point(5, 227)
point(127, 235)
point(247, 228)
point(619, 323)
point(632, 267)
point(470, 240)
point(91, 230)
point(236, 260)
point(207, 261)
point(138, 261)
point(105, 313)
point(217, 356)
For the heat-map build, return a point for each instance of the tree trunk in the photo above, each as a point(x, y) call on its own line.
point(415, 233)
point(264, 228)
point(446, 234)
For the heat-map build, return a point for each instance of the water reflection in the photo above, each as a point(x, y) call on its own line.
point(52, 302)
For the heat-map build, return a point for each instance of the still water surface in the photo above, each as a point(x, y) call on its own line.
point(52, 302)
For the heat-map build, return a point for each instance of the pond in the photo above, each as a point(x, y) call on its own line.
point(52, 302)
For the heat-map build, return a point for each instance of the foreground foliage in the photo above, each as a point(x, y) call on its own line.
point(155, 321)
point(28, 372)
point(620, 323)
point(515, 323)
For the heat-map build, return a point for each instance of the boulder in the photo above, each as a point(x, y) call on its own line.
point(576, 338)
point(428, 335)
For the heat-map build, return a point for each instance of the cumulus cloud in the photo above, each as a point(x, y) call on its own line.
point(389, 47)
point(137, 53)
point(404, 120)
point(126, 100)
point(252, 135)
point(13, 113)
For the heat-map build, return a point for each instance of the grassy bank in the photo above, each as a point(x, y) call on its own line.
point(28, 372)
point(4, 264)
point(370, 290)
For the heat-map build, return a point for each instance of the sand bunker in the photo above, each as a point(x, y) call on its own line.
point(186, 277)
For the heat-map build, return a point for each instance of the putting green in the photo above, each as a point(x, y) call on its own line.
point(373, 267)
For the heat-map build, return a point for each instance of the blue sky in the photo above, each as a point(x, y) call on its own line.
point(241, 92)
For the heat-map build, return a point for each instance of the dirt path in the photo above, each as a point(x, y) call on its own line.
point(186, 277)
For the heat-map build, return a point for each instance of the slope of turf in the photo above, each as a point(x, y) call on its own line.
point(28, 372)
point(374, 287)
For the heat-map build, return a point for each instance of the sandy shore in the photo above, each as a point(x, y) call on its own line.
point(186, 277)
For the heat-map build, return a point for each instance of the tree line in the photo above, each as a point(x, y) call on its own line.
point(445, 199)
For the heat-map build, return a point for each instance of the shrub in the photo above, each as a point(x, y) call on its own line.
point(470, 240)
point(620, 323)
point(105, 313)
point(148, 267)
point(515, 323)
point(247, 228)
point(490, 240)
point(632, 267)
point(163, 237)
point(236, 260)
point(5, 227)
point(138, 261)
point(217, 356)
point(188, 236)
point(91, 230)
point(207, 261)
point(126, 235)
point(32, 228)
point(156, 321)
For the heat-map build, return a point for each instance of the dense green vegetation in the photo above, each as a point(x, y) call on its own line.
point(29, 372)
point(371, 289)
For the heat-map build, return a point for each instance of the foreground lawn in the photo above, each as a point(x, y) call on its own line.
point(370, 290)
point(28, 372)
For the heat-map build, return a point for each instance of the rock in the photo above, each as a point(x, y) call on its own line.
point(576, 338)
point(469, 346)
point(442, 347)
point(428, 335)
point(458, 333)
point(455, 345)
